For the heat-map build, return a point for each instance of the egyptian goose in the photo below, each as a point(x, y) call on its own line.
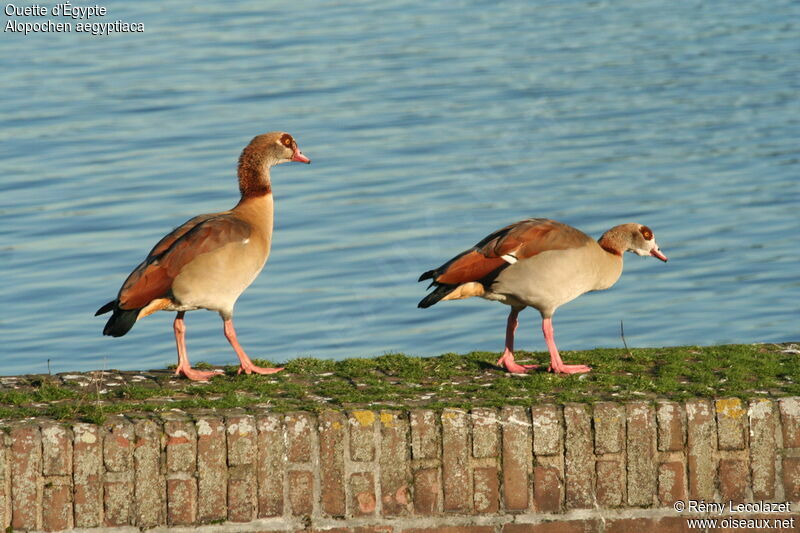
point(539, 263)
point(210, 260)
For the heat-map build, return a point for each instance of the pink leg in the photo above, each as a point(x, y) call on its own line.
point(556, 364)
point(245, 364)
point(507, 359)
point(184, 369)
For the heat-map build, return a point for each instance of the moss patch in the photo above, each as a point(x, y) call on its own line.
point(398, 381)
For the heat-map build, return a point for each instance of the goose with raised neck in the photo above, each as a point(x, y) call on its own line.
point(207, 262)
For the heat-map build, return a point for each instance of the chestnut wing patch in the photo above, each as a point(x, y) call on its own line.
point(162, 245)
point(470, 266)
point(534, 236)
point(153, 278)
point(518, 241)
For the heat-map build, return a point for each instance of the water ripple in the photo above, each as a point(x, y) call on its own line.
point(429, 127)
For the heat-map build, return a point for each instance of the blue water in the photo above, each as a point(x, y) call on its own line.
point(430, 125)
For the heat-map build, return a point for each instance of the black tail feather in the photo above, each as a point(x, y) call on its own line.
point(106, 308)
point(440, 292)
point(430, 274)
point(121, 320)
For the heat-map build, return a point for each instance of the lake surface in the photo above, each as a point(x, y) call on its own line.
point(430, 125)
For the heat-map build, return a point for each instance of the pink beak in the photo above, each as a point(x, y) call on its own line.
point(298, 156)
point(655, 252)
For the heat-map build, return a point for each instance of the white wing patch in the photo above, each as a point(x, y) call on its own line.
point(509, 258)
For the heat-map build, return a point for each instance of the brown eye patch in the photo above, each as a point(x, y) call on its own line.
point(646, 233)
point(287, 140)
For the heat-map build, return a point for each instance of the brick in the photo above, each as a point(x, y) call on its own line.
point(181, 460)
point(485, 433)
point(486, 490)
point(637, 525)
point(671, 482)
point(241, 493)
point(331, 459)
point(731, 420)
point(548, 489)
point(56, 450)
point(149, 488)
point(57, 470)
point(118, 499)
point(5, 484)
point(362, 435)
point(394, 464)
point(790, 421)
point(118, 439)
point(733, 480)
point(456, 478)
point(301, 492)
point(212, 469)
point(362, 491)
point(641, 453)
point(87, 464)
point(517, 457)
point(578, 457)
point(560, 526)
point(761, 415)
point(452, 529)
point(791, 478)
point(701, 443)
point(427, 488)
point(241, 442)
point(609, 428)
point(57, 503)
point(299, 428)
point(181, 444)
point(181, 500)
point(270, 466)
point(610, 482)
point(424, 434)
point(547, 430)
point(26, 464)
point(671, 427)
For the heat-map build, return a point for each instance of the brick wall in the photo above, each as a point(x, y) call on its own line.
point(574, 467)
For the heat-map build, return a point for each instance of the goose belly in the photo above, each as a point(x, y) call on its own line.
point(547, 280)
point(215, 280)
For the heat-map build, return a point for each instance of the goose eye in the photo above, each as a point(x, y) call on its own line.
point(287, 140)
point(646, 233)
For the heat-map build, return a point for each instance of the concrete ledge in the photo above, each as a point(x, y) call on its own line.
point(573, 467)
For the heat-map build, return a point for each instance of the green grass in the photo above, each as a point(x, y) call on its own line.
point(450, 380)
